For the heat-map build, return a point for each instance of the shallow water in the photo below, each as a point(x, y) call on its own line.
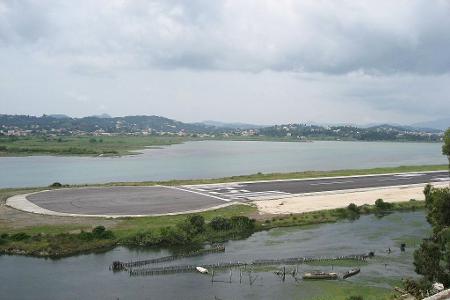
point(211, 159)
point(88, 277)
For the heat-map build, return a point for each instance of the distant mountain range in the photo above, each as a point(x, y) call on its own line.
point(232, 125)
point(441, 124)
point(157, 125)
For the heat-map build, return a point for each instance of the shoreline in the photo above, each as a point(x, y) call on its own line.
point(302, 220)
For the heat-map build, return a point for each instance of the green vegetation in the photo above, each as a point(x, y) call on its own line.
point(82, 145)
point(446, 146)
point(330, 290)
point(57, 245)
point(233, 222)
point(432, 259)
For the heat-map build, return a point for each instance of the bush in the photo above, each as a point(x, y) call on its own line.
point(173, 236)
point(19, 236)
point(55, 185)
point(417, 288)
point(198, 223)
point(147, 238)
point(355, 298)
point(242, 223)
point(100, 232)
point(353, 208)
point(381, 205)
point(220, 223)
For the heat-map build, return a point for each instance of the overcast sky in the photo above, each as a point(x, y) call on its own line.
point(259, 61)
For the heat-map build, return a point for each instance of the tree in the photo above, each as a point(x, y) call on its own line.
point(426, 260)
point(220, 223)
point(446, 146)
point(198, 223)
point(432, 259)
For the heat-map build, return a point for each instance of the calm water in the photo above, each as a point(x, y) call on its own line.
point(87, 276)
point(208, 159)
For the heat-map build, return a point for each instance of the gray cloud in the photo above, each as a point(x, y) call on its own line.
point(331, 37)
point(253, 61)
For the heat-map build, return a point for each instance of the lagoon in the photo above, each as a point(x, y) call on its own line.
point(88, 277)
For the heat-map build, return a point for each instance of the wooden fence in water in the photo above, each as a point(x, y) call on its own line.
point(226, 265)
point(120, 266)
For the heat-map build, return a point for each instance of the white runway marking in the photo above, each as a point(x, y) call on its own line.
point(409, 175)
point(198, 193)
point(441, 178)
point(394, 179)
point(333, 182)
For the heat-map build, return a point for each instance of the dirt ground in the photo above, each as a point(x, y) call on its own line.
point(14, 219)
point(308, 203)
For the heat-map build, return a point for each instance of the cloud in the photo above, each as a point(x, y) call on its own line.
point(325, 36)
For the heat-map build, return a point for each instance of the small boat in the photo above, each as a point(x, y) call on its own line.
point(351, 272)
point(202, 270)
point(320, 275)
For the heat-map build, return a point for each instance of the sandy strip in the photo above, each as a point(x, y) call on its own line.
point(320, 201)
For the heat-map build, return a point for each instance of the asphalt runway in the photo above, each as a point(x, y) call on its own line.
point(132, 200)
point(248, 191)
point(124, 200)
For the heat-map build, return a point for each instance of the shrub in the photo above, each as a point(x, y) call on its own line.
point(355, 298)
point(198, 222)
point(100, 232)
point(173, 236)
point(220, 223)
point(353, 208)
point(417, 288)
point(147, 238)
point(381, 205)
point(20, 236)
point(242, 223)
point(55, 185)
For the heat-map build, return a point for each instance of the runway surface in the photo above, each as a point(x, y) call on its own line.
point(131, 200)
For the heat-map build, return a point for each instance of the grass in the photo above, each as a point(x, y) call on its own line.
point(343, 290)
point(82, 145)
point(127, 230)
point(338, 263)
point(130, 226)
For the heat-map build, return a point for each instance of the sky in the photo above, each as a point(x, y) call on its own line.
point(253, 61)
